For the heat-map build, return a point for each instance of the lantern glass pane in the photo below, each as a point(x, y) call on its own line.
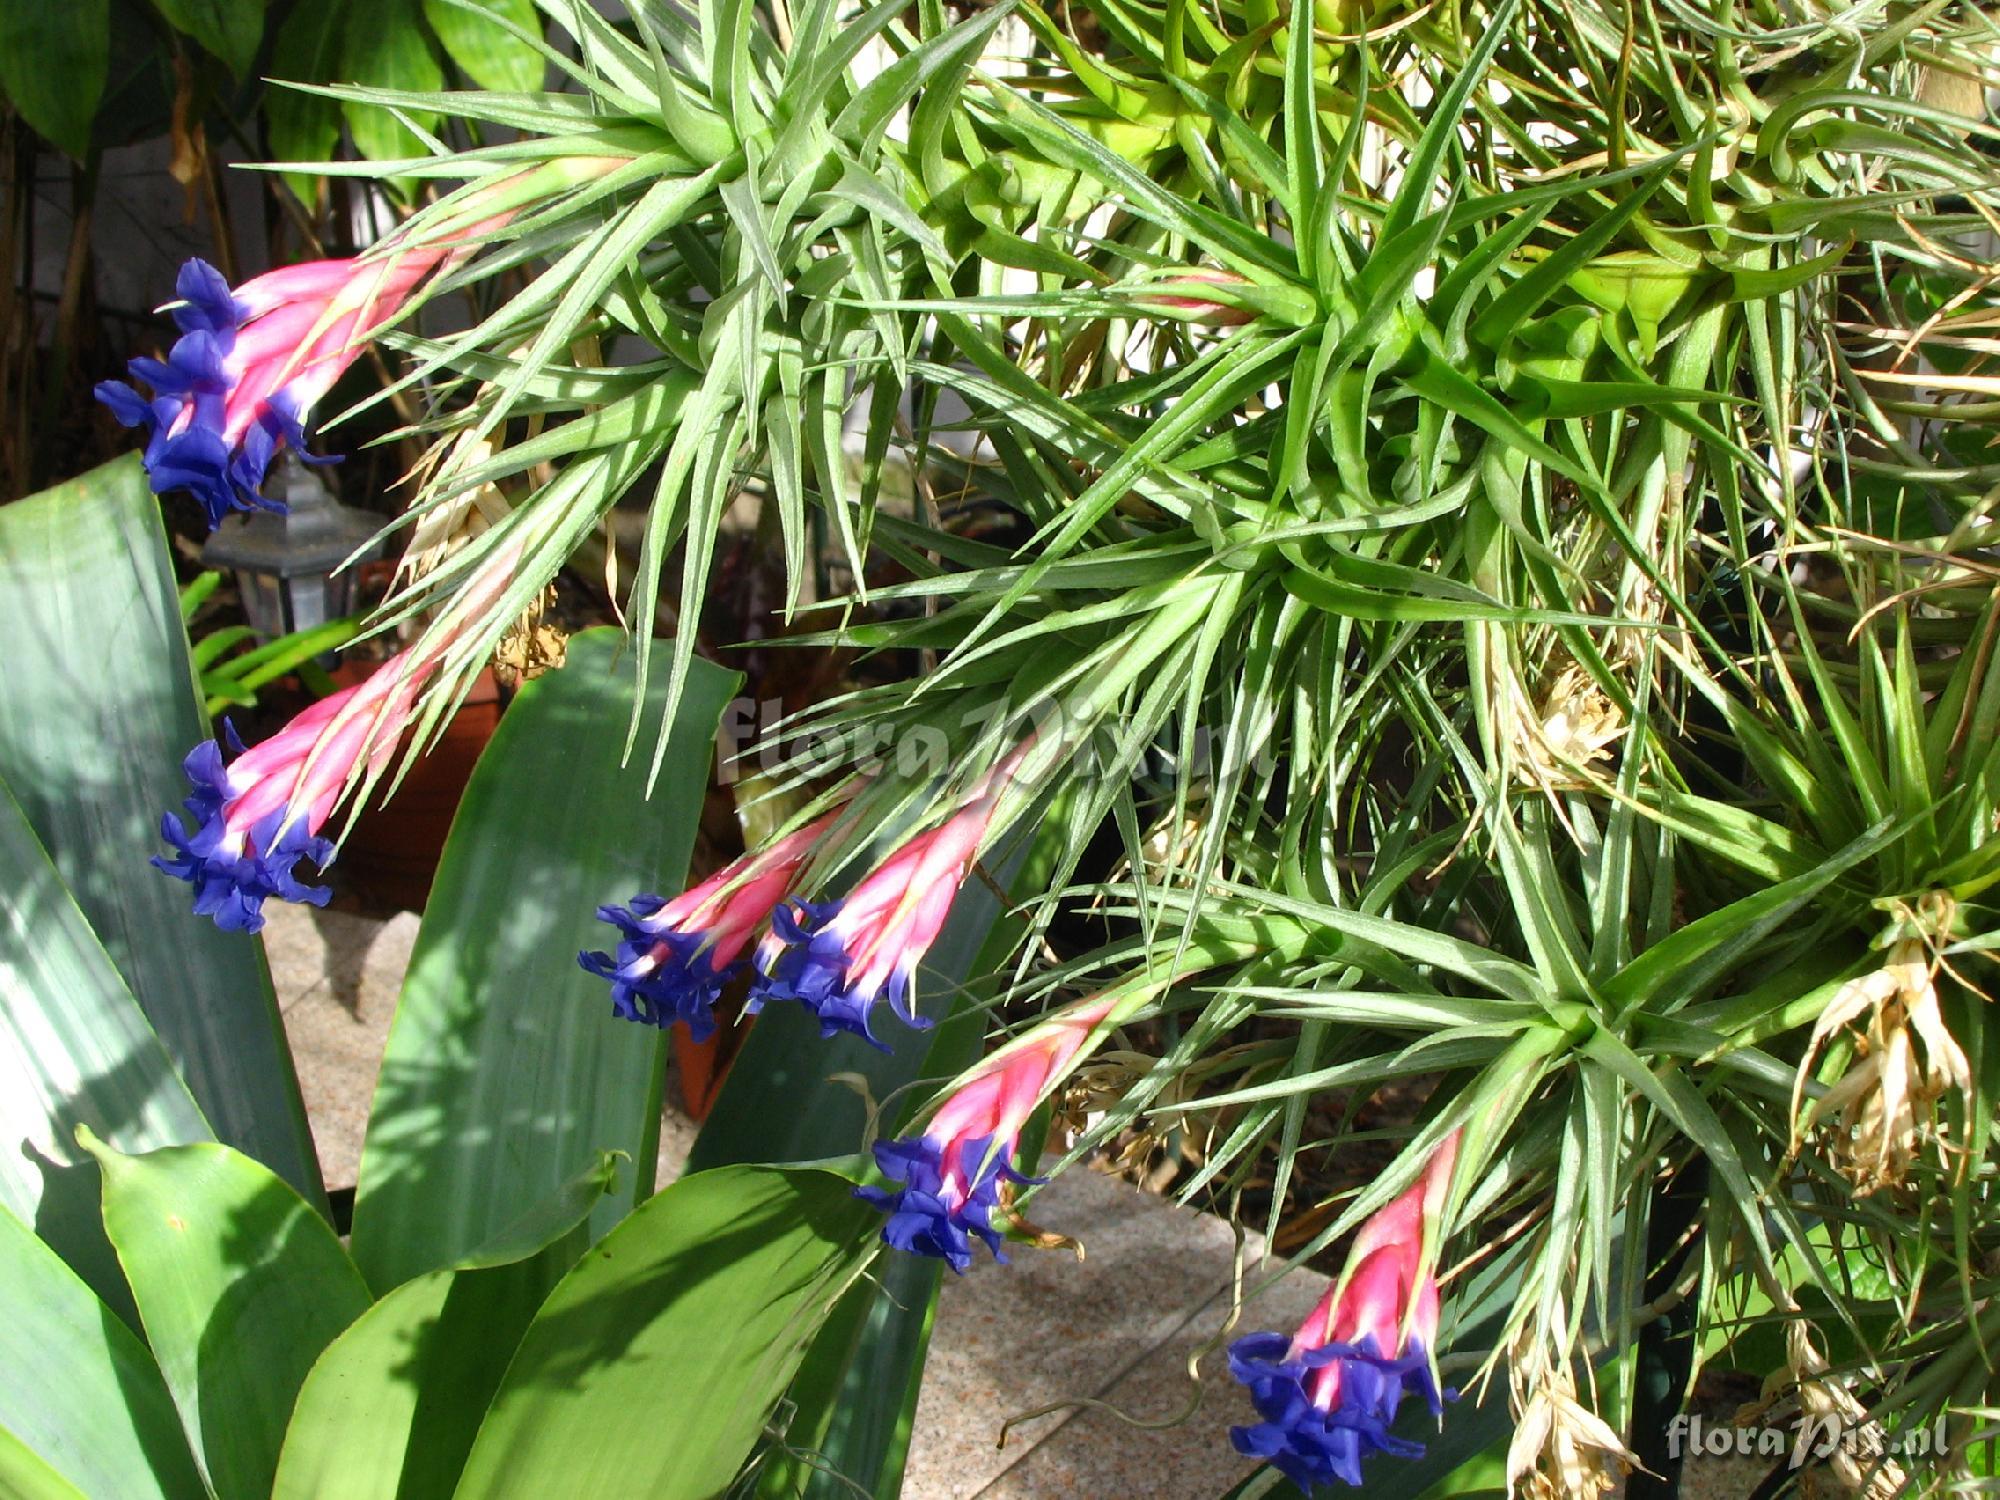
point(306, 595)
point(263, 602)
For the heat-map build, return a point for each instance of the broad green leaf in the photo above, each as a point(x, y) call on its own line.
point(385, 45)
point(98, 712)
point(506, 1071)
point(390, 1409)
point(485, 50)
point(302, 126)
point(74, 1049)
point(708, 1295)
point(240, 1285)
point(53, 61)
point(81, 1393)
point(24, 1475)
point(231, 29)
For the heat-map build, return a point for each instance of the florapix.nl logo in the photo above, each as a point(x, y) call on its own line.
point(1811, 1440)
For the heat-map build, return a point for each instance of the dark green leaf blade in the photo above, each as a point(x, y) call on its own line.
point(99, 710)
point(390, 1409)
point(485, 50)
point(81, 1393)
point(855, 1396)
point(387, 47)
point(74, 1049)
point(230, 29)
point(302, 126)
point(53, 62)
point(506, 1070)
point(714, 1287)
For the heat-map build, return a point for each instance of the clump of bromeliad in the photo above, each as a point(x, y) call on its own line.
point(239, 385)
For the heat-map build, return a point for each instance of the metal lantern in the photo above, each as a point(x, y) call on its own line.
point(285, 564)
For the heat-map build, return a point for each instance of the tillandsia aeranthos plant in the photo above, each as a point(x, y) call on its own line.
point(1486, 507)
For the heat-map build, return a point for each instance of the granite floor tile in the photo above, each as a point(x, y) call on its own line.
point(1160, 1431)
point(1048, 1328)
point(337, 977)
point(677, 1133)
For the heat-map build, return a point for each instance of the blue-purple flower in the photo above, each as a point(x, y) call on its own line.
point(250, 364)
point(677, 955)
point(252, 361)
point(255, 817)
point(950, 1175)
point(1327, 1396)
point(949, 1191)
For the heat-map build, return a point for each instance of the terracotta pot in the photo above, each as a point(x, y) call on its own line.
point(391, 856)
point(703, 1067)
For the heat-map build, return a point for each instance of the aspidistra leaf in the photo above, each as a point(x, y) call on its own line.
point(98, 712)
point(506, 1070)
point(239, 1284)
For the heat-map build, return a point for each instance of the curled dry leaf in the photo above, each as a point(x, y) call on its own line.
point(1905, 1061)
point(1832, 1424)
point(1561, 1449)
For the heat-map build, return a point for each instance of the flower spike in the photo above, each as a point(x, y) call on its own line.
point(252, 361)
point(255, 817)
point(250, 364)
point(839, 958)
point(1328, 1394)
point(677, 955)
point(951, 1172)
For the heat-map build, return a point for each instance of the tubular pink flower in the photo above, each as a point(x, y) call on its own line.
point(951, 1173)
point(1182, 296)
point(257, 816)
point(1328, 1394)
point(250, 365)
point(252, 361)
point(837, 958)
point(677, 955)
